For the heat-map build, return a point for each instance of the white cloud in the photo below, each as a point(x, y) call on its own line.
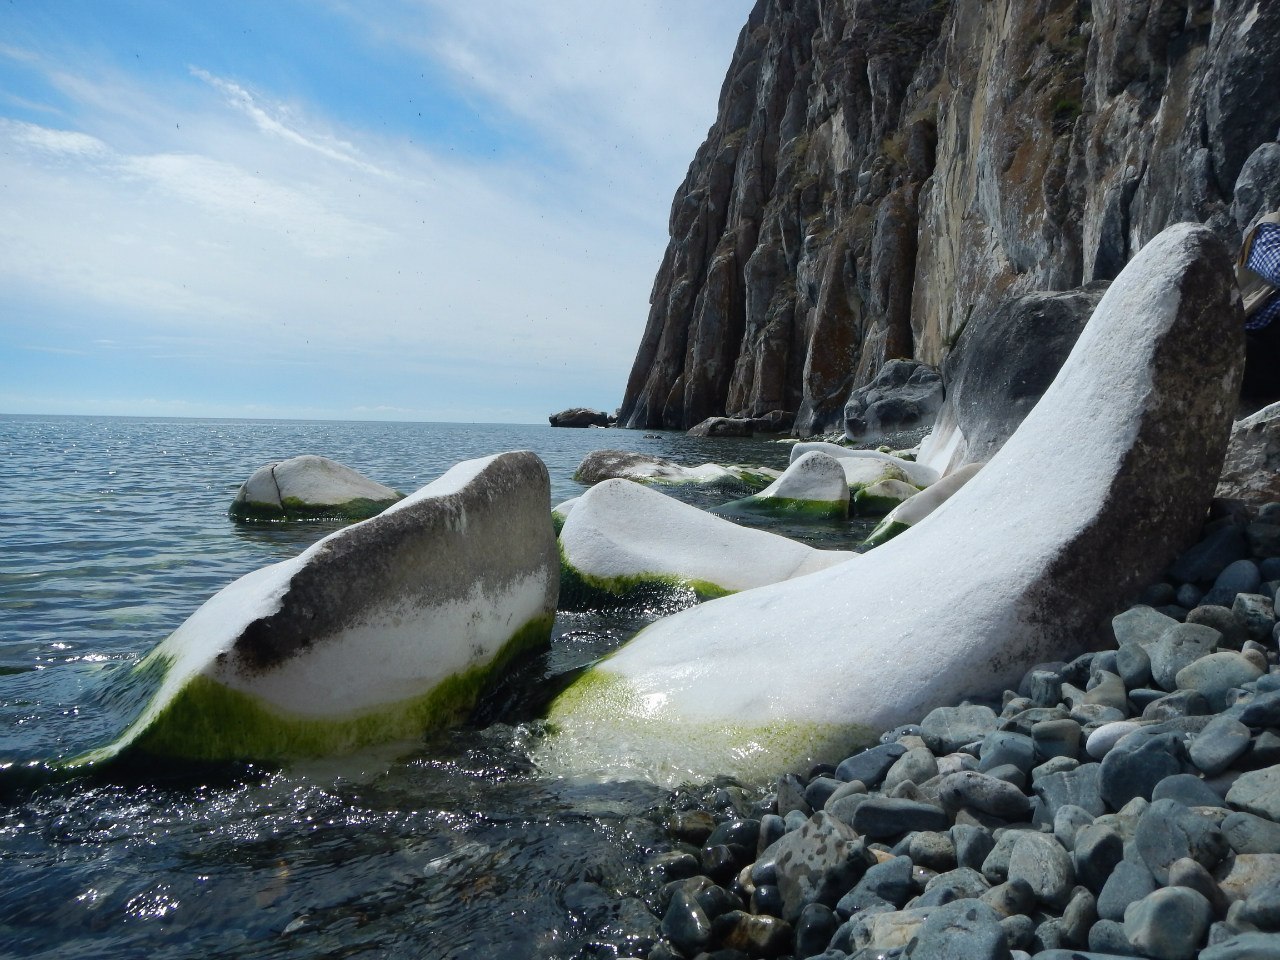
point(209, 220)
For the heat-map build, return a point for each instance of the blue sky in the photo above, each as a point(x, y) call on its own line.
point(405, 210)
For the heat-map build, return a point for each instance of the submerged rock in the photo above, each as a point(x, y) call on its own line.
point(622, 537)
point(310, 488)
point(375, 633)
point(1105, 480)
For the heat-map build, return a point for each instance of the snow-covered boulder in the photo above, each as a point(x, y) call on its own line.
point(646, 468)
point(914, 509)
point(813, 486)
point(1103, 483)
point(622, 537)
point(858, 463)
point(310, 488)
point(376, 633)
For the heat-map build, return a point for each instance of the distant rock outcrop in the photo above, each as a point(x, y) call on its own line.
point(882, 172)
point(904, 395)
point(579, 417)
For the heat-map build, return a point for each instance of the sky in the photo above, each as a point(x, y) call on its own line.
point(423, 210)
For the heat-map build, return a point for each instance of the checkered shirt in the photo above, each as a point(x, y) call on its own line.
point(1264, 260)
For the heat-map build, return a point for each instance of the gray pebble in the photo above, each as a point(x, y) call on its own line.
point(1247, 833)
point(1218, 745)
point(1186, 872)
point(972, 845)
point(1107, 689)
point(818, 862)
point(755, 936)
point(947, 729)
point(887, 882)
point(964, 930)
point(686, 925)
point(914, 766)
point(1019, 931)
point(978, 791)
point(870, 766)
point(1177, 647)
point(1139, 624)
point(1258, 612)
point(1068, 821)
point(1128, 883)
point(1258, 792)
point(1181, 703)
point(1213, 675)
point(1098, 848)
point(1107, 937)
point(931, 849)
point(1129, 773)
point(1169, 831)
point(1042, 862)
point(1079, 917)
point(1188, 790)
point(1056, 738)
point(958, 884)
point(1262, 711)
point(1169, 924)
point(1004, 747)
point(814, 929)
point(1245, 946)
point(881, 818)
point(1229, 624)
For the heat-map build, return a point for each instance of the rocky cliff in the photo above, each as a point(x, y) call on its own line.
point(880, 171)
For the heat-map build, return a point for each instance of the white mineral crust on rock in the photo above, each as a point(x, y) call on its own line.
point(619, 531)
point(859, 464)
point(356, 639)
point(1102, 484)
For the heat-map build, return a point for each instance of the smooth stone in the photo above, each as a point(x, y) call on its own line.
point(928, 848)
point(1135, 772)
point(964, 930)
point(1010, 898)
point(1141, 625)
point(813, 485)
point(790, 795)
point(1107, 689)
point(1262, 908)
point(1213, 675)
point(1180, 703)
point(1179, 646)
point(1203, 562)
point(973, 844)
point(1128, 883)
point(1249, 873)
point(1169, 924)
point(1009, 774)
point(1068, 822)
point(755, 936)
point(996, 865)
point(870, 766)
point(958, 884)
point(1245, 946)
point(1186, 872)
point(1188, 790)
point(1107, 736)
point(1247, 833)
point(1168, 831)
point(1056, 738)
point(1079, 917)
point(818, 863)
point(1019, 933)
point(1189, 596)
point(947, 729)
point(1230, 624)
point(814, 929)
point(887, 882)
point(1133, 663)
point(1258, 613)
point(820, 790)
point(1005, 747)
point(1042, 684)
point(767, 899)
point(1241, 576)
point(1262, 711)
point(1079, 785)
point(1042, 862)
point(1258, 792)
point(309, 488)
point(886, 817)
point(1219, 744)
point(978, 791)
point(915, 766)
point(685, 924)
point(1098, 848)
point(1106, 942)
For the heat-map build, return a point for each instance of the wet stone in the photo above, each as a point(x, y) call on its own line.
point(1258, 792)
point(686, 925)
point(756, 936)
point(767, 899)
point(790, 792)
point(1056, 738)
point(814, 929)
point(870, 766)
point(819, 791)
point(1188, 790)
point(692, 826)
point(1169, 924)
point(772, 827)
point(1218, 745)
point(881, 818)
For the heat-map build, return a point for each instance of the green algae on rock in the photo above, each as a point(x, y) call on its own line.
point(309, 488)
point(377, 632)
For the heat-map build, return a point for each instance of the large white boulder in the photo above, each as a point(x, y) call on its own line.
point(310, 488)
point(814, 485)
point(915, 508)
point(622, 536)
point(1103, 483)
point(861, 464)
point(376, 633)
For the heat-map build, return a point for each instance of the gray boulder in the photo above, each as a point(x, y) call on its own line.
point(1251, 470)
point(309, 488)
point(905, 394)
point(579, 417)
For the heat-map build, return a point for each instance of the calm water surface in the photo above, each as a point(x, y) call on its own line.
point(112, 532)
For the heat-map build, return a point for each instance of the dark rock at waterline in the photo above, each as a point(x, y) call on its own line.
point(870, 766)
point(579, 417)
point(905, 394)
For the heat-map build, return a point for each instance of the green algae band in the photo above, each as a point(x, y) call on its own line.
point(376, 633)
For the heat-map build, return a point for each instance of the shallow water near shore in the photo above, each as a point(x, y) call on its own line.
point(115, 530)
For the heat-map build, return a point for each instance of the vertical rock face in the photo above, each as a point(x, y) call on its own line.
point(881, 171)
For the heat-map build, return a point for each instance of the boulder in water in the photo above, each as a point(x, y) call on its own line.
point(378, 632)
point(579, 417)
point(622, 538)
point(645, 468)
point(310, 488)
point(1104, 481)
point(814, 485)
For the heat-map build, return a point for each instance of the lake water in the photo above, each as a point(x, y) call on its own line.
point(112, 532)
